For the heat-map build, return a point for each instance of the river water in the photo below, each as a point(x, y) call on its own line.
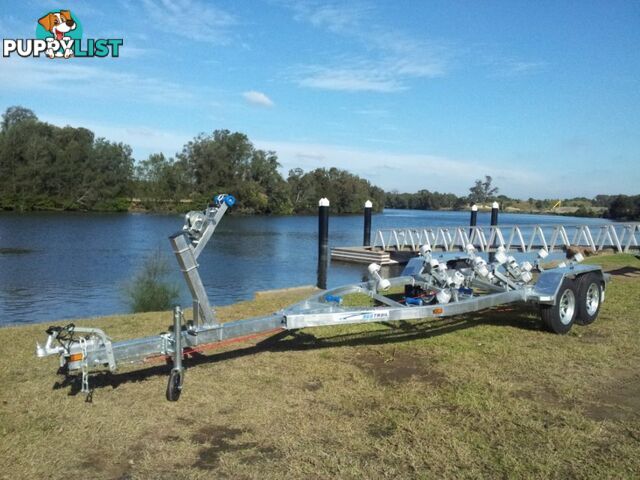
point(56, 266)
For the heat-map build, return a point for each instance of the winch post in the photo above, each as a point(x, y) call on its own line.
point(188, 264)
point(188, 245)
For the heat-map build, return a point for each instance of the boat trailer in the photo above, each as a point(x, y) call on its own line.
point(428, 288)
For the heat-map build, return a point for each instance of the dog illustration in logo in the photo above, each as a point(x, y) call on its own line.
point(58, 24)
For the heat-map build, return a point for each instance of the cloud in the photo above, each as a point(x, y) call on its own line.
point(393, 169)
point(364, 79)
point(192, 19)
point(405, 172)
point(258, 98)
point(506, 66)
point(357, 75)
point(338, 17)
point(517, 67)
point(40, 74)
point(390, 58)
point(372, 112)
point(84, 9)
point(389, 61)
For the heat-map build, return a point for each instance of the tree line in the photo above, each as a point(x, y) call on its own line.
point(43, 166)
point(483, 192)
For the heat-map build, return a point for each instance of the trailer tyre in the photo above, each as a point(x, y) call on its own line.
point(174, 386)
point(590, 289)
point(559, 318)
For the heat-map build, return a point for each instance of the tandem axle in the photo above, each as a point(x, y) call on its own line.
point(427, 288)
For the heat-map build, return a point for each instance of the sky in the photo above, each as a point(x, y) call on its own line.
point(543, 96)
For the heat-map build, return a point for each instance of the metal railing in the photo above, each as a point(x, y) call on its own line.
point(621, 237)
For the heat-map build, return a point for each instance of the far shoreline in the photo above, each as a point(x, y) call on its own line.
point(138, 209)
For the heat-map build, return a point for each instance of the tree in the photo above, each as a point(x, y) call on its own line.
point(347, 192)
point(160, 181)
point(623, 207)
point(15, 115)
point(603, 200)
point(263, 169)
point(47, 167)
point(72, 156)
point(228, 162)
point(424, 200)
point(482, 192)
point(296, 187)
point(27, 162)
point(217, 161)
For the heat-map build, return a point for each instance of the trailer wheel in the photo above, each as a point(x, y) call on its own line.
point(590, 290)
point(559, 318)
point(174, 386)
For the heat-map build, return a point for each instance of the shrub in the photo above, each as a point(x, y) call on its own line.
point(150, 290)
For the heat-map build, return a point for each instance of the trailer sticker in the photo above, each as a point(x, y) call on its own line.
point(365, 316)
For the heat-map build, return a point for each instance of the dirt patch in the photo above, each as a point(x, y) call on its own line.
point(382, 430)
point(398, 367)
point(592, 336)
point(217, 440)
point(619, 401)
point(108, 467)
point(312, 386)
point(628, 272)
point(543, 396)
point(186, 421)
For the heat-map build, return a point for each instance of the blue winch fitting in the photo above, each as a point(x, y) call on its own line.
point(413, 301)
point(230, 200)
point(465, 291)
point(333, 298)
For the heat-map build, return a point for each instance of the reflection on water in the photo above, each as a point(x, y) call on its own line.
point(65, 265)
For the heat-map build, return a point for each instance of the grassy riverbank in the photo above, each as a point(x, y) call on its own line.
point(487, 395)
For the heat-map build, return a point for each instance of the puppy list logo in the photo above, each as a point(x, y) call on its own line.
point(59, 35)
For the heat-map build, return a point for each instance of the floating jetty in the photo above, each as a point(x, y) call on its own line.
point(398, 245)
point(363, 255)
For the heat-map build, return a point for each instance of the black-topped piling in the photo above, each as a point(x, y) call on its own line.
point(323, 242)
point(494, 213)
point(494, 222)
point(368, 207)
point(473, 221)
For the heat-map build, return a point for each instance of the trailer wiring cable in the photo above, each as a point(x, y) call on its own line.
point(65, 334)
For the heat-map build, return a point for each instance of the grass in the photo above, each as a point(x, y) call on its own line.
point(487, 395)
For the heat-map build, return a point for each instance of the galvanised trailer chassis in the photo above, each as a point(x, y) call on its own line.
point(432, 289)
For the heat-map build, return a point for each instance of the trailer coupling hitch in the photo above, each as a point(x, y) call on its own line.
point(64, 337)
point(80, 349)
